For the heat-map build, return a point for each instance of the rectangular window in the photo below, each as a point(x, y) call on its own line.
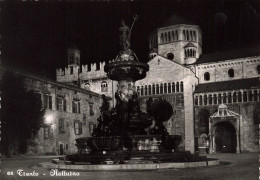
point(77, 127)
point(61, 104)
point(47, 101)
point(91, 112)
point(61, 126)
point(46, 132)
point(51, 131)
point(75, 106)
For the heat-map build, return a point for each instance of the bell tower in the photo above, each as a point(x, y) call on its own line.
point(177, 40)
point(73, 56)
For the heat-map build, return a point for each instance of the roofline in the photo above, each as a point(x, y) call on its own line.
point(221, 61)
point(181, 25)
point(47, 80)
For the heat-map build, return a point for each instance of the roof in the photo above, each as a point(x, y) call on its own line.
point(176, 20)
point(226, 55)
point(228, 85)
point(189, 45)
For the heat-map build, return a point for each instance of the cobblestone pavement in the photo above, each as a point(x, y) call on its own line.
point(233, 167)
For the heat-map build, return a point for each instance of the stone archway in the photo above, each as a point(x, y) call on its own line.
point(224, 131)
point(225, 137)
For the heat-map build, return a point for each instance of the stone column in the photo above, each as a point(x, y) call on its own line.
point(232, 98)
point(202, 99)
point(238, 144)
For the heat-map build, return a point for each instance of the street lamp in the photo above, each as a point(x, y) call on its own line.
point(49, 119)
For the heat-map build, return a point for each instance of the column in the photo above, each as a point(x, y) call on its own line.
point(232, 97)
point(202, 100)
point(238, 144)
point(207, 99)
point(242, 96)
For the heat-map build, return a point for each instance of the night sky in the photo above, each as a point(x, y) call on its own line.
point(35, 36)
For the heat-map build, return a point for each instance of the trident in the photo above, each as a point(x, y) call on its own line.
point(136, 17)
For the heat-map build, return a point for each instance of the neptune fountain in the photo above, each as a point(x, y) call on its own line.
point(125, 134)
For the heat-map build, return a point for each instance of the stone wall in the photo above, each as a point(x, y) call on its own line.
point(249, 133)
point(86, 116)
point(243, 68)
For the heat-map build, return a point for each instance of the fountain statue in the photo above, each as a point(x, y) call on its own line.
point(125, 132)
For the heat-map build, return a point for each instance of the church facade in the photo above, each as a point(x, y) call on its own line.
point(215, 97)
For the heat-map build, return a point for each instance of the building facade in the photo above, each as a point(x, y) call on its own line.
point(70, 113)
point(215, 97)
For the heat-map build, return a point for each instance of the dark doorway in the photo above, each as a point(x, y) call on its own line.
point(225, 138)
point(61, 149)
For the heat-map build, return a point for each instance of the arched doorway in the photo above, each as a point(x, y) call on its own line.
point(224, 131)
point(225, 138)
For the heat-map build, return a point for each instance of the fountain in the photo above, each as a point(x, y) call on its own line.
point(125, 134)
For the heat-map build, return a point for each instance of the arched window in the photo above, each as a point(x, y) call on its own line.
point(215, 99)
point(142, 90)
point(244, 96)
point(184, 35)
point(157, 89)
point(205, 100)
point(145, 90)
point(196, 100)
point(224, 98)
point(194, 34)
point(173, 87)
point(165, 88)
point(231, 73)
point(162, 38)
point(191, 35)
point(219, 99)
point(234, 97)
point(149, 89)
point(170, 56)
point(104, 86)
point(173, 36)
point(169, 36)
point(239, 96)
point(165, 35)
point(176, 35)
point(153, 90)
point(200, 100)
point(250, 96)
point(177, 87)
point(206, 76)
point(187, 34)
point(210, 99)
point(161, 89)
point(169, 88)
point(181, 86)
point(229, 98)
point(258, 69)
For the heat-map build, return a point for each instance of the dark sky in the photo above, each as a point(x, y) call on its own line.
point(35, 35)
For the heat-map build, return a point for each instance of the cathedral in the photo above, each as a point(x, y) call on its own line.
point(215, 97)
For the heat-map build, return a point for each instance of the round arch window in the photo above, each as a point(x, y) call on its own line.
point(170, 56)
point(231, 73)
point(206, 76)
